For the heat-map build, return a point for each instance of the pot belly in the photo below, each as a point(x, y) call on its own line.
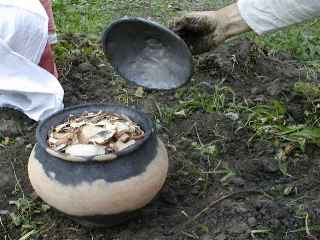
point(94, 192)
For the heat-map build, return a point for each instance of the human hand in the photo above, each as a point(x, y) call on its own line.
point(205, 30)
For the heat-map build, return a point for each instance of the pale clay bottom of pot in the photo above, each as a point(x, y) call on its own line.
point(101, 197)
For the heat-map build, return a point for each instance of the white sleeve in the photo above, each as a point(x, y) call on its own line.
point(264, 16)
point(24, 27)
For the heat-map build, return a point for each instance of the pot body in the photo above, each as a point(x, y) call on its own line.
point(100, 193)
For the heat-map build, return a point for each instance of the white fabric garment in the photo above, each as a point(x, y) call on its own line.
point(264, 16)
point(23, 84)
point(24, 27)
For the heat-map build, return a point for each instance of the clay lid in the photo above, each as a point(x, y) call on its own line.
point(148, 54)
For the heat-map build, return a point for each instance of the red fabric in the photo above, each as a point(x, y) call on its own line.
point(47, 4)
point(47, 60)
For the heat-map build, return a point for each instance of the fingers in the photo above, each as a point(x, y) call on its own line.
point(200, 45)
point(196, 29)
point(196, 22)
point(200, 30)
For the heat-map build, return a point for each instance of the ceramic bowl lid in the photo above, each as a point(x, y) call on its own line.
point(148, 54)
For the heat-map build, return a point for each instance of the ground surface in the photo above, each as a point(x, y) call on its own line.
point(211, 147)
point(236, 169)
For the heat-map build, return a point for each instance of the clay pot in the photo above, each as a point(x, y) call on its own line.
point(99, 193)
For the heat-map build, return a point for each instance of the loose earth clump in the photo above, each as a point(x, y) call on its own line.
point(93, 134)
point(225, 180)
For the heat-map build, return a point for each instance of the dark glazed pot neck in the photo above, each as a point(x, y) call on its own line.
point(60, 117)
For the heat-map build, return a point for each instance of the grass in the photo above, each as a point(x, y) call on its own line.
point(209, 99)
point(268, 120)
point(257, 232)
point(93, 16)
point(25, 214)
point(165, 115)
point(311, 93)
point(299, 41)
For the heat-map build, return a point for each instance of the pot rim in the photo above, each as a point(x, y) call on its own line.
point(148, 128)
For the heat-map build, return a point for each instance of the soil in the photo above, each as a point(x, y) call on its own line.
point(257, 186)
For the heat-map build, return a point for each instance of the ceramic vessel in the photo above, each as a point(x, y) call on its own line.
point(147, 53)
point(99, 193)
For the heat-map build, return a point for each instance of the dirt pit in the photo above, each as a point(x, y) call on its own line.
point(240, 193)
